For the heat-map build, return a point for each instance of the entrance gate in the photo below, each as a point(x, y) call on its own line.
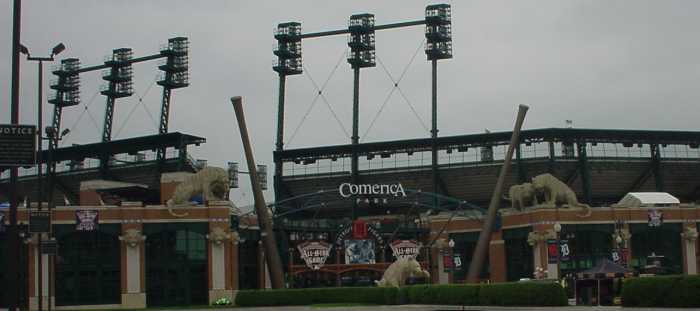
point(176, 264)
point(319, 216)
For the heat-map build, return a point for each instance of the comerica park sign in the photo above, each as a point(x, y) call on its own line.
point(347, 189)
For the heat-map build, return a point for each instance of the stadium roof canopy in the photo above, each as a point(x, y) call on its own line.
point(648, 199)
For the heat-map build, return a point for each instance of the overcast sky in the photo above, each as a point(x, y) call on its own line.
point(603, 64)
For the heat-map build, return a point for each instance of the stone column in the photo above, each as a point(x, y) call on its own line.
point(538, 241)
point(220, 240)
point(689, 241)
point(133, 266)
point(34, 253)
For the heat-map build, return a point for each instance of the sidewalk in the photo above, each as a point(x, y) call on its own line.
point(441, 308)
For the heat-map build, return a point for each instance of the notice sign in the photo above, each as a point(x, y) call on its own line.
point(39, 222)
point(314, 253)
point(17, 145)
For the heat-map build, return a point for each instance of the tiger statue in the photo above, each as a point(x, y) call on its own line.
point(210, 182)
point(556, 192)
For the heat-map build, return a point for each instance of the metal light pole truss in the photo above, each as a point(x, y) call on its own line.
point(119, 77)
point(361, 42)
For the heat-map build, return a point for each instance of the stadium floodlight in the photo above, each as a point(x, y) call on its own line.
point(288, 49)
point(120, 74)
point(438, 31)
point(58, 49)
point(262, 176)
point(67, 85)
point(361, 41)
point(233, 174)
point(176, 66)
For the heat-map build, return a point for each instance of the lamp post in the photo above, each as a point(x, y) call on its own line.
point(51, 136)
point(451, 244)
point(557, 230)
point(40, 96)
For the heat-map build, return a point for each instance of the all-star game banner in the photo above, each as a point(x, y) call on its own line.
point(2, 222)
point(314, 253)
point(86, 220)
point(405, 249)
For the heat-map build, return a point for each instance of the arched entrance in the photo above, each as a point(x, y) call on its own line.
point(323, 217)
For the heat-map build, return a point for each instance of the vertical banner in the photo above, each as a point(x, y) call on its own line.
point(457, 261)
point(86, 220)
point(552, 251)
point(564, 250)
point(447, 262)
point(359, 230)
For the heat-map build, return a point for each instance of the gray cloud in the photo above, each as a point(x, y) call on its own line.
point(604, 64)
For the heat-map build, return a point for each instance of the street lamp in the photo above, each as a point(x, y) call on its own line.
point(55, 51)
point(40, 85)
point(557, 230)
point(451, 244)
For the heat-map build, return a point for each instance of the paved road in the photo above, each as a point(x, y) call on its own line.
point(440, 308)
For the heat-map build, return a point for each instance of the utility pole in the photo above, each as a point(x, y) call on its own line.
point(12, 232)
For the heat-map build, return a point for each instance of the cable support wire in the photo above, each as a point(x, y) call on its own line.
point(396, 87)
point(319, 94)
point(133, 109)
point(85, 105)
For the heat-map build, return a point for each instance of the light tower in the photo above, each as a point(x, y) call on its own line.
point(362, 55)
point(66, 91)
point(119, 84)
point(438, 35)
point(175, 75)
point(288, 62)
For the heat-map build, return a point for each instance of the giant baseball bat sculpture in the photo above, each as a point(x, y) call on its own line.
point(274, 263)
point(485, 236)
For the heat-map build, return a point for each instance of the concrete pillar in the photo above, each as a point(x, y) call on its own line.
point(133, 266)
point(538, 241)
point(690, 241)
point(34, 253)
point(219, 241)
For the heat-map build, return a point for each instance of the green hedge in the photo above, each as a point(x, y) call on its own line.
point(307, 296)
point(662, 291)
point(502, 294)
point(523, 294)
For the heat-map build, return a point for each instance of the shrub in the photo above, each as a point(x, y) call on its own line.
point(503, 294)
point(522, 294)
point(307, 296)
point(662, 291)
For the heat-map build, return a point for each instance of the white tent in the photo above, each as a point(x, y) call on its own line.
point(648, 199)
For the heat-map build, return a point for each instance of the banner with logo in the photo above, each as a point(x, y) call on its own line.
point(314, 253)
point(655, 218)
point(564, 250)
point(405, 249)
point(552, 251)
point(359, 252)
point(86, 220)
